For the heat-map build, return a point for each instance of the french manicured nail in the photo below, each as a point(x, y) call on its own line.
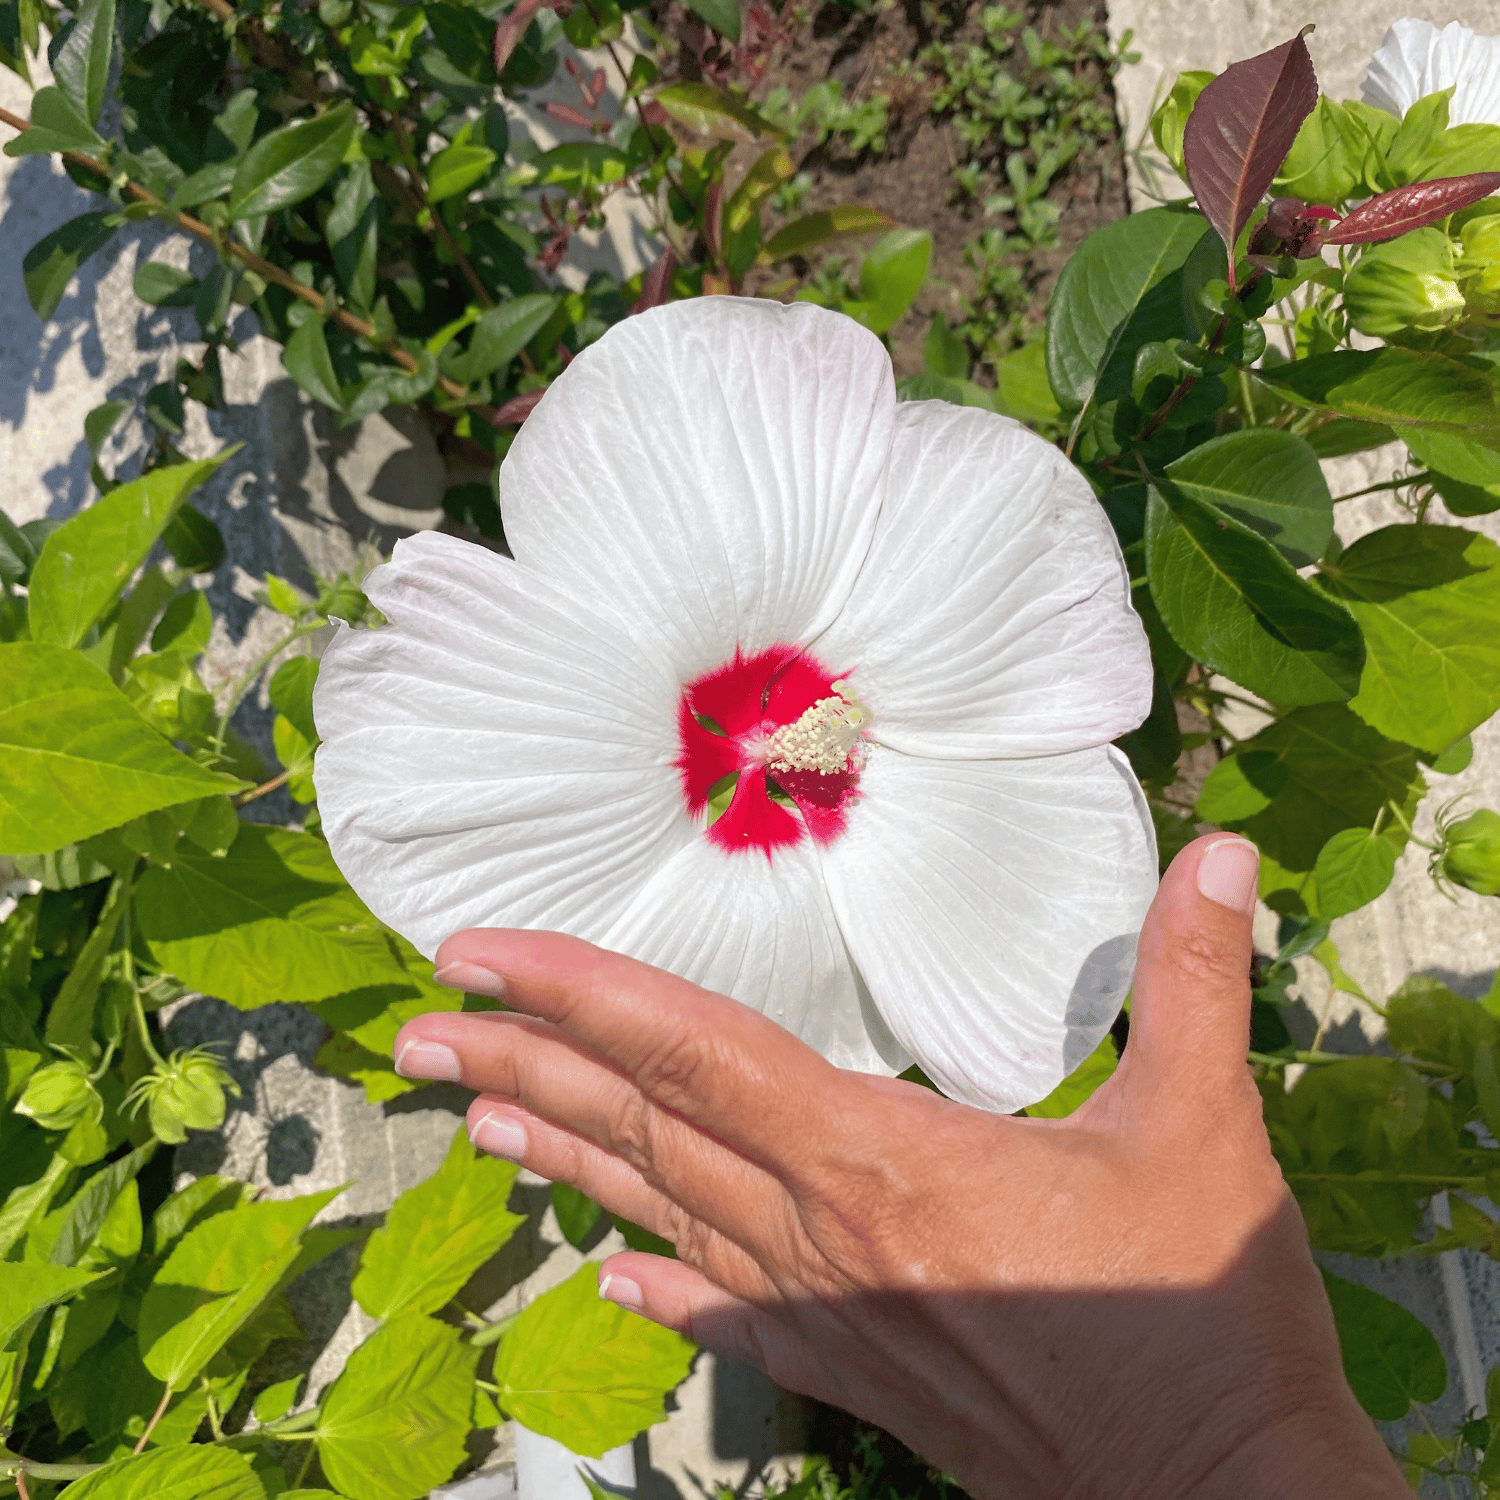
point(1227, 873)
point(461, 976)
point(622, 1291)
point(499, 1136)
point(430, 1060)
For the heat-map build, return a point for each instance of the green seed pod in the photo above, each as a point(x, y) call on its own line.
point(184, 1093)
point(60, 1096)
point(1471, 852)
point(1408, 283)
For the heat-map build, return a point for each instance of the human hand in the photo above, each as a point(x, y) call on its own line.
point(1121, 1303)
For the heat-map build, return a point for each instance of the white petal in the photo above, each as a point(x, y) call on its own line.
point(498, 755)
point(1416, 59)
point(992, 908)
point(992, 617)
point(712, 469)
point(763, 932)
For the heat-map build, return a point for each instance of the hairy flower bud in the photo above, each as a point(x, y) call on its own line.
point(60, 1095)
point(1408, 283)
point(1470, 855)
point(184, 1093)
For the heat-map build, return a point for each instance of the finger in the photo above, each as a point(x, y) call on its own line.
point(1190, 1009)
point(710, 1059)
point(533, 1064)
point(681, 1298)
point(498, 1127)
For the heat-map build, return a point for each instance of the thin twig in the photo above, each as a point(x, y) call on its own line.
point(156, 1416)
point(264, 789)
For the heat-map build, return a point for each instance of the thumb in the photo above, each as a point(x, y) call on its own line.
point(1190, 1008)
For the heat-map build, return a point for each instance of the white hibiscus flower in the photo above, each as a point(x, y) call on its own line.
point(1416, 59)
point(904, 629)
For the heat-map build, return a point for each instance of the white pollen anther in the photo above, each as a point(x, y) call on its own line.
point(828, 738)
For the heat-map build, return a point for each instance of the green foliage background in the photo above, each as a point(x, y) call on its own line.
point(351, 168)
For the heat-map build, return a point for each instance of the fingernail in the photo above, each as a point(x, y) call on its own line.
point(431, 1060)
point(499, 1137)
point(461, 976)
point(622, 1291)
point(1227, 873)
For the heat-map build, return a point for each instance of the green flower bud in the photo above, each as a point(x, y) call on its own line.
point(1479, 270)
point(1407, 283)
point(1470, 855)
point(60, 1096)
point(184, 1093)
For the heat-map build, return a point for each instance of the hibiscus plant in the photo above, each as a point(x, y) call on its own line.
point(855, 699)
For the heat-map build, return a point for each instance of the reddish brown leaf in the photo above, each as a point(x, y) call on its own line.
point(512, 28)
point(1418, 204)
point(656, 284)
point(516, 410)
point(567, 114)
point(1240, 131)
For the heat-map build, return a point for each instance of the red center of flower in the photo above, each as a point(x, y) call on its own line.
point(791, 783)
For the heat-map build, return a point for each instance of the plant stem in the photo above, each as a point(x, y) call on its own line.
point(248, 681)
point(156, 1416)
point(263, 789)
point(1390, 484)
point(304, 1466)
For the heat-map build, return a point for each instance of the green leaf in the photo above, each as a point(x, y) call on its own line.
point(438, 1234)
point(217, 1275)
point(195, 543)
point(56, 126)
point(30, 1287)
point(1427, 599)
point(585, 1371)
point(393, 1424)
point(81, 67)
point(1342, 435)
point(456, 169)
point(1465, 473)
point(291, 164)
point(501, 334)
point(195, 1472)
point(713, 112)
point(722, 15)
point(88, 561)
point(1234, 603)
point(92, 1205)
point(1080, 1084)
point(185, 626)
point(1022, 389)
point(78, 758)
point(577, 1213)
point(309, 363)
point(1121, 289)
point(1269, 480)
point(1391, 1358)
point(54, 260)
point(821, 228)
point(1413, 388)
point(353, 231)
point(890, 276)
point(1353, 868)
point(1305, 778)
point(291, 693)
point(272, 920)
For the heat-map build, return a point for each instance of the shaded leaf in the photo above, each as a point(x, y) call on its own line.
point(1080, 1084)
point(502, 333)
point(29, 1287)
point(1390, 1357)
point(56, 126)
point(577, 1213)
point(194, 541)
point(1353, 868)
point(291, 693)
point(714, 112)
point(54, 260)
point(309, 363)
point(722, 15)
point(1232, 602)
